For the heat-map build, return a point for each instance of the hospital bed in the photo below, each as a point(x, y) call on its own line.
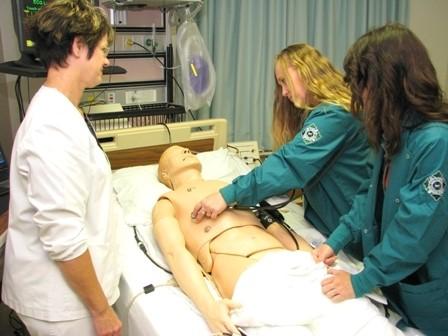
point(133, 153)
point(166, 310)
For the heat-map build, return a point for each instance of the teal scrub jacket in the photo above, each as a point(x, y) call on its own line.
point(413, 235)
point(329, 130)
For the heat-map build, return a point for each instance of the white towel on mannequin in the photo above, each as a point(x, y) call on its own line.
point(281, 295)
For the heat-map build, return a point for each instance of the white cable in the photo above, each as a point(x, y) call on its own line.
point(171, 282)
point(133, 300)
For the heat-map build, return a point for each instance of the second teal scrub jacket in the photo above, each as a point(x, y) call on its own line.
point(407, 252)
point(330, 133)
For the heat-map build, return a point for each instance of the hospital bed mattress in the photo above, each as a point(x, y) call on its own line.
point(167, 311)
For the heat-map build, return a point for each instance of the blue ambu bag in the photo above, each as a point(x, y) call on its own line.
point(198, 72)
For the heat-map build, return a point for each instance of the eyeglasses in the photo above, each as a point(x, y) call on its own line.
point(105, 51)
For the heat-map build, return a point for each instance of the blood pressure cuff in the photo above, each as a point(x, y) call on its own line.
point(267, 217)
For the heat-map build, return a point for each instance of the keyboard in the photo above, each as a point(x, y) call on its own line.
point(157, 108)
point(114, 70)
point(139, 110)
point(138, 115)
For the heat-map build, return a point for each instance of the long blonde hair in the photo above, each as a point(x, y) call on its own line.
point(322, 82)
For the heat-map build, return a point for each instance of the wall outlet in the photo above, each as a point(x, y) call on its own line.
point(110, 97)
point(248, 151)
point(126, 42)
point(147, 96)
point(118, 17)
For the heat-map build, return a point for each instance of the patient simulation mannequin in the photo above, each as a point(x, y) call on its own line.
point(267, 289)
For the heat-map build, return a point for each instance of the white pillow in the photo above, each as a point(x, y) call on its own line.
point(138, 188)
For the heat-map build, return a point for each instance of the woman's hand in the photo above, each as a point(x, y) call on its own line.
point(338, 287)
point(218, 319)
point(324, 253)
point(211, 206)
point(107, 323)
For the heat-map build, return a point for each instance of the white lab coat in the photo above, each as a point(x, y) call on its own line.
point(61, 204)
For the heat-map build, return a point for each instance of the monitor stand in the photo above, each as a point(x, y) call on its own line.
point(29, 61)
point(29, 66)
point(26, 66)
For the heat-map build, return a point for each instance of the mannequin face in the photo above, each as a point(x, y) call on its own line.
point(175, 160)
point(292, 86)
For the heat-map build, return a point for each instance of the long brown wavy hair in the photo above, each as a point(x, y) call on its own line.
point(322, 82)
point(394, 83)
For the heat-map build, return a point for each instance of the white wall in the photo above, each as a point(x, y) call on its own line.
point(428, 19)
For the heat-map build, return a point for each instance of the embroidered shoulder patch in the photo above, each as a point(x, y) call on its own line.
point(435, 185)
point(310, 134)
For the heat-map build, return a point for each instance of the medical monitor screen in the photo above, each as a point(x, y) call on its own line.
point(22, 10)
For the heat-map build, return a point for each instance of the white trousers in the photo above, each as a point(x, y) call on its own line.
point(83, 326)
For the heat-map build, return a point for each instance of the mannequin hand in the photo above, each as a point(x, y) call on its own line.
point(107, 323)
point(339, 286)
point(211, 206)
point(324, 253)
point(218, 319)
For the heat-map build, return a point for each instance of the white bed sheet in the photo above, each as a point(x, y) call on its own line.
point(167, 310)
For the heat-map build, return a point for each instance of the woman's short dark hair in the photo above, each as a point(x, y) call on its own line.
point(55, 26)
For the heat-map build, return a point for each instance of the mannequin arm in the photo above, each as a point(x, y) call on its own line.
point(186, 270)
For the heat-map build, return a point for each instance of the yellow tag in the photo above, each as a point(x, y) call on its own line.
point(193, 69)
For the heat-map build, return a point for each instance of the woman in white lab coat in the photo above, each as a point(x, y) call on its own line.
point(61, 272)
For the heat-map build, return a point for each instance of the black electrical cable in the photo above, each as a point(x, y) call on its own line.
point(142, 247)
point(93, 101)
point(234, 148)
point(258, 160)
point(28, 89)
point(19, 97)
point(169, 132)
point(256, 208)
point(161, 63)
point(191, 114)
point(172, 76)
point(18, 92)
point(291, 234)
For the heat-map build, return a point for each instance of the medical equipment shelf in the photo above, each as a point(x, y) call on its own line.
point(38, 71)
point(137, 116)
